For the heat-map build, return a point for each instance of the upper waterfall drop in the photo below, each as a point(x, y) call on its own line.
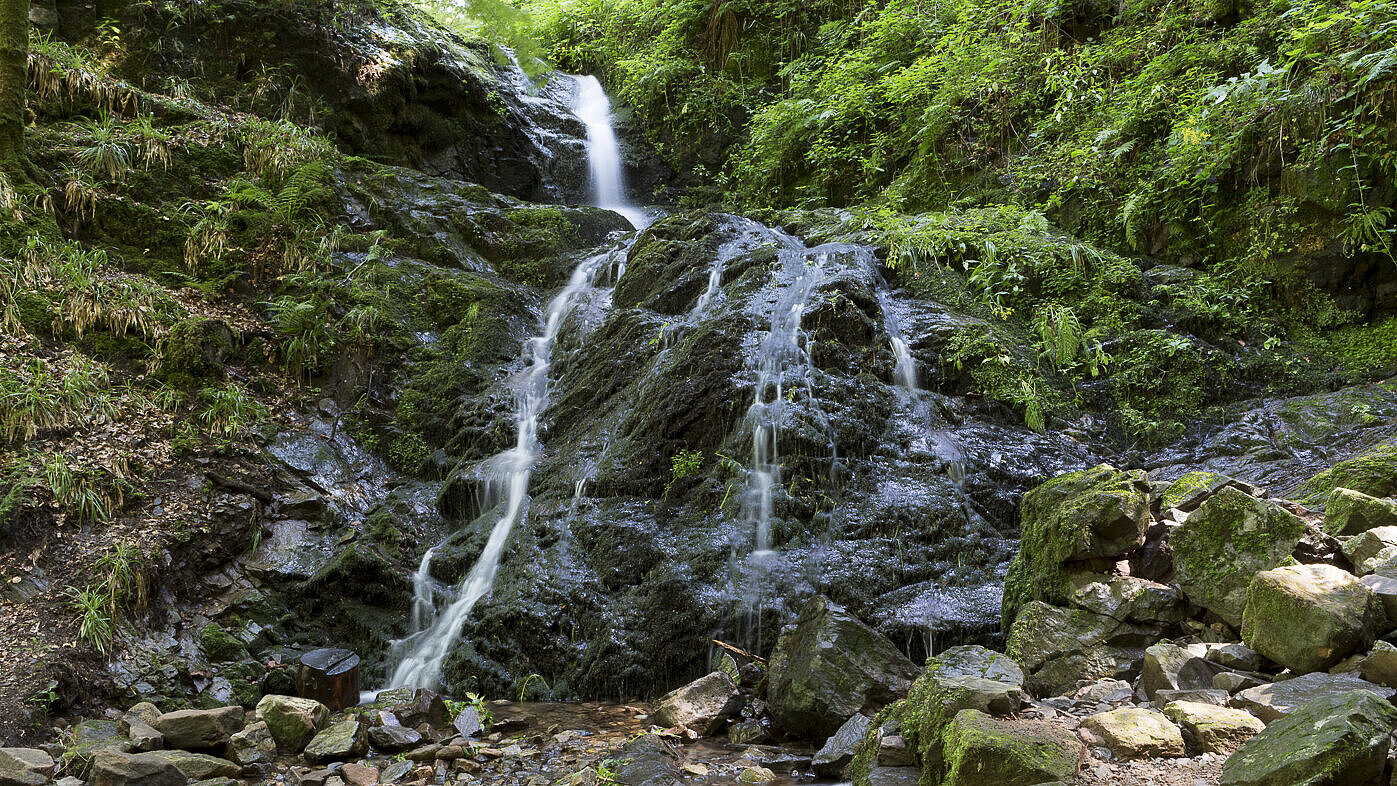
point(604, 152)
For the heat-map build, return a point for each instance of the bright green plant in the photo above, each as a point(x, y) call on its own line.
point(229, 410)
point(92, 604)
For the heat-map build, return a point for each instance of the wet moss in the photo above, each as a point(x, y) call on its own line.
point(1373, 473)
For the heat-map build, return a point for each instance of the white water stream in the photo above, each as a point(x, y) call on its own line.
point(420, 656)
point(604, 153)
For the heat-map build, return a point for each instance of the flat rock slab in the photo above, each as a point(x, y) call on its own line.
point(1279, 699)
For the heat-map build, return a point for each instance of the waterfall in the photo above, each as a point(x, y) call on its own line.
point(603, 152)
point(420, 656)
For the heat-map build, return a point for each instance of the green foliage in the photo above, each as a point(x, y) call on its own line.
point(229, 410)
point(92, 604)
point(408, 452)
point(306, 334)
point(38, 397)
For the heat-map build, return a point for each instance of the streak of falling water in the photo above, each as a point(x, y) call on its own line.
point(905, 369)
point(603, 152)
point(422, 606)
point(423, 653)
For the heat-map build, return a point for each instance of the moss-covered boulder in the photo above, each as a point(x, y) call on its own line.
point(1310, 617)
point(1350, 512)
point(1190, 490)
point(1060, 646)
point(980, 749)
point(338, 742)
point(1373, 473)
point(1093, 513)
point(1135, 733)
point(828, 666)
point(1335, 739)
point(1227, 540)
point(1127, 598)
point(200, 766)
point(90, 738)
point(219, 645)
point(292, 721)
point(1213, 729)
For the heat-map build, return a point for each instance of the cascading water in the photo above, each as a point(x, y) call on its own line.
point(420, 656)
point(604, 153)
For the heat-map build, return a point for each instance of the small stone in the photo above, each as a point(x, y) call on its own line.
point(344, 740)
point(467, 722)
point(253, 745)
point(453, 752)
point(359, 775)
point(756, 775)
point(393, 739)
point(395, 772)
point(142, 735)
point(1234, 656)
point(292, 721)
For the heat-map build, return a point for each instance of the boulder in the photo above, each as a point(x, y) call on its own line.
point(394, 739)
point(467, 722)
point(200, 729)
point(1350, 512)
point(1135, 733)
point(1105, 692)
point(424, 706)
point(1213, 729)
point(1233, 656)
point(1127, 598)
point(1373, 472)
point(253, 745)
point(979, 749)
point(894, 776)
point(1279, 699)
point(142, 734)
point(1227, 540)
point(1233, 681)
point(1340, 738)
point(292, 721)
point(1309, 617)
point(199, 766)
point(840, 748)
point(1174, 668)
point(648, 760)
point(1095, 513)
point(27, 759)
point(1190, 490)
point(1217, 696)
point(703, 705)
point(91, 737)
point(1378, 665)
point(1373, 551)
point(829, 666)
point(1059, 647)
point(337, 742)
point(145, 711)
point(1385, 588)
point(973, 660)
point(359, 775)
point(111, 768)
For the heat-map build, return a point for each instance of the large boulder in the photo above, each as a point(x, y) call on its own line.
point(1134, 733)
point(1342, 738)
point(1091, 514)
point(292, 721)
point(1310, 617)
point(1373, 473)
point(703, 705)
point(339, 741)
point(1279, 699)
point(200, 766)
point(91, 737)
point(1350, 512)
point(1213, 729)
point(1227, 540)
point(958, 679)
point(829, 666)
point(112, 768)
point(200, 729)
point(980, 749)
point(1059, 647)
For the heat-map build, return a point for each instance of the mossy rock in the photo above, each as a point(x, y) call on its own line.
point(1225, 542)
point(1373, 473)
point(979, 749)
point(1309, 617)
point(1350, 512)
point(219, 645)
point(1189, 488)
point(1059, 646)
point(1093, 513)
point(1341, 738)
